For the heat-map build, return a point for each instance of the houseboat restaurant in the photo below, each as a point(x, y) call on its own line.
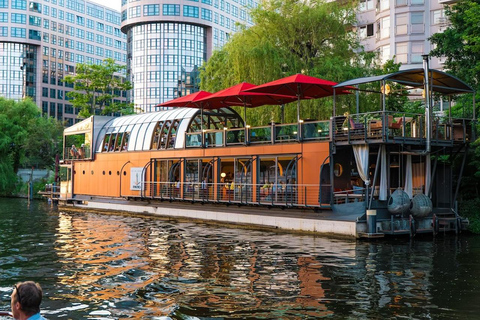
point(356, 174)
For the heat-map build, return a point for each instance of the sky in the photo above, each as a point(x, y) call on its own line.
point(114, 4)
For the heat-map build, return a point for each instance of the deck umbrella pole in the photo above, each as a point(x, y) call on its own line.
point(298, 102)
point(245, 115)
point(201, 124)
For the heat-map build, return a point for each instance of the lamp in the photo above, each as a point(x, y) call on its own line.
point(386, 89)
point(223, 174)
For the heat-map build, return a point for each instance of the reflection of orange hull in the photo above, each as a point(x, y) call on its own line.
point(102, 177)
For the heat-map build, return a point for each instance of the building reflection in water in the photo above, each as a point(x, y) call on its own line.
point(144, 267)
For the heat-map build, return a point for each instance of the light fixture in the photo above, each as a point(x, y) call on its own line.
point(301, 121)
point(248, 126)
point(386, 89)
point(225, 128)
point(319, 130)
point(294, 132)
point(223, 174)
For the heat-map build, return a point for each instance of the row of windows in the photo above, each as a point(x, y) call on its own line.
point(36, 21)
point(56, 110)
point(366, 5)
point(403, 25)
point(97, 12)
point(174, 10)
point(155, 28)
point(78, 45)
point(169, 43)
point(54, 94)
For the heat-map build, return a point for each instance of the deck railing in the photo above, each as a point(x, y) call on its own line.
point(290, 195)
point(77, 154)
point(393, 126)
point(274, 133)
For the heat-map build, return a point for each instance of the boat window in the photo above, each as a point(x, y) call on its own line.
point(111, 144)
point(172, 134)
point(126, 137)
point(164, 134)
point(118, 142)
point(106, 142)
point(157, 135)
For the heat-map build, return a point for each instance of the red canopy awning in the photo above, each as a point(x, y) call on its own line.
point(188, 101)
point(299, 85)
point(237, 96)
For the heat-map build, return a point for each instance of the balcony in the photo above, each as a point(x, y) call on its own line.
point(393, 127)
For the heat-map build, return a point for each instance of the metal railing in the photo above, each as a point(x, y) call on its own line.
point(272, 134)
point(281, 195)
point(394, 125)
point(77, 153)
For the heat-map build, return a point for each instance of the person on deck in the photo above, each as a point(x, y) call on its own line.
point(74, 152)
point(25, 301)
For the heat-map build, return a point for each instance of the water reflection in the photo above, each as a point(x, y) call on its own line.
point(99, 266)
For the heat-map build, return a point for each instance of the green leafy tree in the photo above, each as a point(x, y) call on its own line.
point(459, 44)
point(98, 86)
point(26, 138)
point(44, 142)
point(290, 37)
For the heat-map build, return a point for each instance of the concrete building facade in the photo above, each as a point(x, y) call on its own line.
point(399, 29)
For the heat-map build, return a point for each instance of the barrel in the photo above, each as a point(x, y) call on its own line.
point(399, 202)
point(421, 206)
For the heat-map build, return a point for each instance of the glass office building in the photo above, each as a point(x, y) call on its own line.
point(168, 41)
point(42, 41)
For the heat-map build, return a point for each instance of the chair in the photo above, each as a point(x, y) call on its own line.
point(394, 125)
point(355, 125)
point(374, 127)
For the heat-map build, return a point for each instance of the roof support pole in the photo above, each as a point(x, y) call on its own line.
point(426, 89)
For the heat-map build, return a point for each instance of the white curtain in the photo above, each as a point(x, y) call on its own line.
point(408, 177)
point(382, 195)
point(428, 173)
point(361, 158)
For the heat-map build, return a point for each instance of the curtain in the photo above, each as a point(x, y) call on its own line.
point(383, 174)
point(361, 158)
point(428, 174)
point(408, 177)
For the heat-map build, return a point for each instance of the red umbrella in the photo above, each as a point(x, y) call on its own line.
point(236, 96)
point(301, 86)
point(189, 101)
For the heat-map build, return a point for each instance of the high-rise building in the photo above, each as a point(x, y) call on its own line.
point(399, 29)
point(42, 41)
point(167, 41)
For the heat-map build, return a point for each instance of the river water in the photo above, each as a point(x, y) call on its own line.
point(94, 266)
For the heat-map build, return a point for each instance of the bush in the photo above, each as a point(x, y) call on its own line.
point(469, 209)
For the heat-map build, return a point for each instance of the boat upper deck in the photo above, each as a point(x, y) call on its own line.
point(372, 128)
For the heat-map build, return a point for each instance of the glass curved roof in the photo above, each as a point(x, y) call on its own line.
point(137, 132)
point(141, 126)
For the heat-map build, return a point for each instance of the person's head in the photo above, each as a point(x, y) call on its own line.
point(25, 300)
